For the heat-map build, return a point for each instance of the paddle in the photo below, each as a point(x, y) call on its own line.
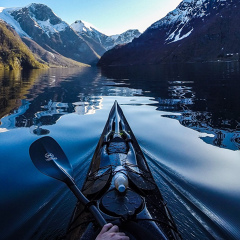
point(49, 158)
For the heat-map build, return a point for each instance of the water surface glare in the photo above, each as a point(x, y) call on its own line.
point(186, 119)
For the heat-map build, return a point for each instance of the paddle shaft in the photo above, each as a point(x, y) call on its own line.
point(95, 212)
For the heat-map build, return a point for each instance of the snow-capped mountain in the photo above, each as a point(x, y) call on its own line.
point(108, 42)
point(197, 30)
point(82, 27)
point(80, 41)
point(180, 21)
point(91, 35)
point(5, 15)
point(40, 23)
point(125, 37)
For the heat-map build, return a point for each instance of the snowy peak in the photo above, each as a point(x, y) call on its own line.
point(86, 29)
point(43, 13)
point(38, 15)
point(41, 16)
point(179, 20)
point(81, 26)
point(126, 37)
point(5, 15)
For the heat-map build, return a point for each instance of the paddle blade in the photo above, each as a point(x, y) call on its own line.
point(49, 158)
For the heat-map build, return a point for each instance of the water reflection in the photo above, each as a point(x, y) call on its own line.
point(201, 122)
point(11, 89)
point(206, 95)
point(202, 97)
point(88, 105)
point(46, 95)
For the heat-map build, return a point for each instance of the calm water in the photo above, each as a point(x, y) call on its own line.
point(185, 117)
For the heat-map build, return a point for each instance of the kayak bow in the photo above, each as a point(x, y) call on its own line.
point(120, 184)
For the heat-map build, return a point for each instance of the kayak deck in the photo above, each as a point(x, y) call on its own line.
point(140, 211)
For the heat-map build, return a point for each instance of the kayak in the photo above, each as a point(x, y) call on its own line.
point(120, 185)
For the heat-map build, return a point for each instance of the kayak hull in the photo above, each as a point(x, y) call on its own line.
point(140, 211)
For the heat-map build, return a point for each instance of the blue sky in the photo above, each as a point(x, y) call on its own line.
point(108, 16)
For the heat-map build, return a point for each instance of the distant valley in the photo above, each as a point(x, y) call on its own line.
point(55, 43)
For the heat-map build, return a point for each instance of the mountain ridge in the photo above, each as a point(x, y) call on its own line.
point(50, 32)
point(40, 24)
point(196, 31)
point(108, 42)
point(39, 27)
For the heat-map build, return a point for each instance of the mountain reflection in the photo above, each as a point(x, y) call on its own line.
point(48, 116)
point(206, 96)
point(44, 96)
